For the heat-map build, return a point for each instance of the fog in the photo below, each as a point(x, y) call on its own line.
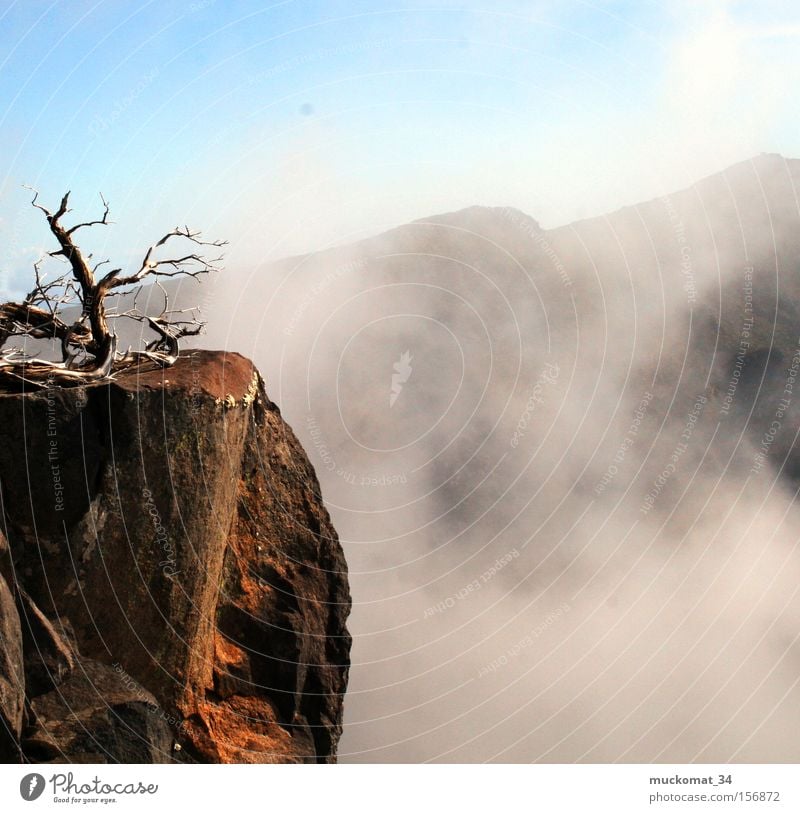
point(558, 445)
point(562, 466)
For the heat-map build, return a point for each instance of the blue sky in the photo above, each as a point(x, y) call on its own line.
point(287, 126)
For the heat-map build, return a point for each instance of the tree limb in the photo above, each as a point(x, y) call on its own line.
point(89, 344)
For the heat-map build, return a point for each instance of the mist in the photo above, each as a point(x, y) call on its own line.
point(557, 437)
point(562, 464)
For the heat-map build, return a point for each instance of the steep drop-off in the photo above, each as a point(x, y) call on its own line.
point(654, 477)
point(172, 587)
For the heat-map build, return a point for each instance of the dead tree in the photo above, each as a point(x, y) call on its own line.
point(88, 342)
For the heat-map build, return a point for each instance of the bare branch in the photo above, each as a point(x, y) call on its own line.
point(35, 199)
point(28, 320)
point(60, 212)
point(102, 222)
point(88, 345)
point(190, 265)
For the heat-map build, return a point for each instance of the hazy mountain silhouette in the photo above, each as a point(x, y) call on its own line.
point(591, 434)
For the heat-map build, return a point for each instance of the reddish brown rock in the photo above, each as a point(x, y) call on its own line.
point(173, 520)
point(12, 677)
point(98, 714)
point(48, 657)
point(284, 581)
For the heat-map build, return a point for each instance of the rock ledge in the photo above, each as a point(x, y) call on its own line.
point(172, 588)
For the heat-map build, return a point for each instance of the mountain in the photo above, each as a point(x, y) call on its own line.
point(562, 463)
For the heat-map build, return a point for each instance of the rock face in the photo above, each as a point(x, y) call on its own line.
point(12, 679)
point(181, 591)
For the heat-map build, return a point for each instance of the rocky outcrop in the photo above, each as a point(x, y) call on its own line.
point(181, 590)
point(98, 714)
point(12, 680)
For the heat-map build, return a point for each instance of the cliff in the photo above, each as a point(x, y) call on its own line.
point(172, 587)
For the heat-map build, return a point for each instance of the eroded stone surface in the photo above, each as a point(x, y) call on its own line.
point(98, 714)
point(169, 524)
point(12, 677)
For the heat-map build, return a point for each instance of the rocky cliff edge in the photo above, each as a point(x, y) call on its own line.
point(172, 588)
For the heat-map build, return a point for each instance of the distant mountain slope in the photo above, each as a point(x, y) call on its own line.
point(608, 410)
